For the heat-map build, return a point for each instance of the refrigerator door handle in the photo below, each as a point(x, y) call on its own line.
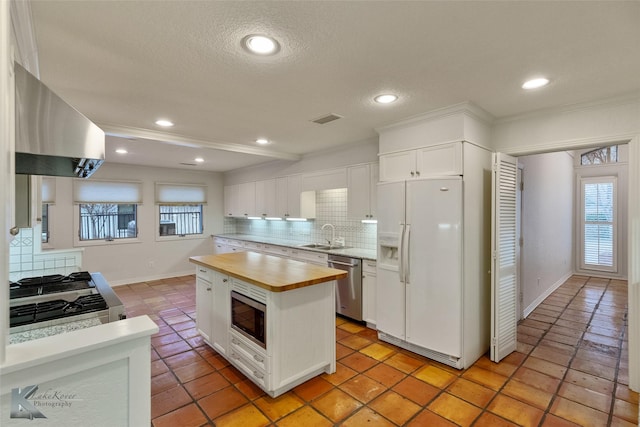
point(407, 254)
point(401, 254)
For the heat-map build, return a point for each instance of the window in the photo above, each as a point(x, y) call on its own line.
point(180, 209)
point(107, 210)
point(180, 220)
point(107, 221)
point(48, 198)
point(599, 225)
point(45, 223)
point(600, 156)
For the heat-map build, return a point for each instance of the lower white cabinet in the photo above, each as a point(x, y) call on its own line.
point(204, 302)
point(220, 313)
point(369, 284)
point(300, 330)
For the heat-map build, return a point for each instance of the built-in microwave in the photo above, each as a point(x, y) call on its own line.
point(249, 317)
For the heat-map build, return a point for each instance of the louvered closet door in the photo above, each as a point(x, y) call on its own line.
point(503, 247)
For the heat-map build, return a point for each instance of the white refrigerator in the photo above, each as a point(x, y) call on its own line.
point(419, 268)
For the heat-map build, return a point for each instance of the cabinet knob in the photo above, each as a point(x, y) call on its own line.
point(417, 173)
point(208, 289)
point(412, 173)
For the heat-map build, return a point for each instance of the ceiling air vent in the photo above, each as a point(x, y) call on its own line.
point(326, 119)
point(188, 164)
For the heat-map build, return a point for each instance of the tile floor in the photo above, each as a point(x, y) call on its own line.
point(571, 368)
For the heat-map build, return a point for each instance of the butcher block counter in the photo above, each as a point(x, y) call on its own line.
point(272, 318)
point(272, 273)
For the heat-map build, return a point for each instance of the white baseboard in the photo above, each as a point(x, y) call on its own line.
point(527, 311)
point(150, 278)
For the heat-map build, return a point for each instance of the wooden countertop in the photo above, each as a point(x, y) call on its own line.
point(272, 273)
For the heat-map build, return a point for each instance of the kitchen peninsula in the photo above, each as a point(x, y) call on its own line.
point(272, 318)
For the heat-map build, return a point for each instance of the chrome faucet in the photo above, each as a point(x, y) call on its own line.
point(333, 233)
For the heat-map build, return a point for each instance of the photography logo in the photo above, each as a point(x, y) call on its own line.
point(21, 407)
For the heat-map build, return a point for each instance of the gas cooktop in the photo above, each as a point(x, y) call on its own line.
point(46, 285)
point(55, 299)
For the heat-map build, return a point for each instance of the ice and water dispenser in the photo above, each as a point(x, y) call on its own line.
point(388, 250)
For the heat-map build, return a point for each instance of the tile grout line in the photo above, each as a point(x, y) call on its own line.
point(617, 371)
point(577, 346)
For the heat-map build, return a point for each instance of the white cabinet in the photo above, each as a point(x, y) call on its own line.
point(281, 251)
point(361, 191)
point(300, 337)
point(231, 200)
point(325, 180)
point(204, 302)
point(222, 245)
point(220, 313)
point(266, 198)
point(240, 200)
point(311, 257)
point(247, 199)
point(291, 201)
point(437, 160)
point(369, 294)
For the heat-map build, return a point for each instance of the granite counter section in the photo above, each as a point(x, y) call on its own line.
point(369, 254)
point(48, 331)
point(269, 272)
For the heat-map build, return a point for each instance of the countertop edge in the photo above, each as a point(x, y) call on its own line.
point(199, 260)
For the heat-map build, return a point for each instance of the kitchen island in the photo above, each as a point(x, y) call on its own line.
point(272, 318)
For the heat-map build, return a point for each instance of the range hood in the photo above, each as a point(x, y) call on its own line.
point(53, 138)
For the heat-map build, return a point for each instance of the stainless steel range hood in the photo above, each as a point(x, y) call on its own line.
point(53, 138)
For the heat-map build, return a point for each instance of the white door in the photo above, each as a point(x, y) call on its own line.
point(598, 224)
point(434, 267)
point(390, 306)
point(504, 318)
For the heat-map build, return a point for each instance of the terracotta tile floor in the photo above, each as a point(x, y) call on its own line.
point(571, 368)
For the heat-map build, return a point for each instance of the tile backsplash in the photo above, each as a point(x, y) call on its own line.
point(331, 208)
point(26, 261)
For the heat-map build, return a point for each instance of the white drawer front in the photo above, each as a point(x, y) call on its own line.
point(204, 274)
point(258, 358)
point(256, 374)
point(309, 256)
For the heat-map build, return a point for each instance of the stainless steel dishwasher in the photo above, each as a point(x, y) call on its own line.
point(349, 289)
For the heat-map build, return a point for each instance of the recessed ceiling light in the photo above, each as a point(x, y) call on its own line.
point(164, 123)
point(385, 99)
point(199, 159)
point(262, 141)
point(260, 45)
point(121, 151)
point(535, 83)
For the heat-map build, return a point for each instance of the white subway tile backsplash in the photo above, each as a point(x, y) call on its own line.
point(331, 207)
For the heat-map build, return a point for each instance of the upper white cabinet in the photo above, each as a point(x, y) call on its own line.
point(266, 198)
point(362, 190)
point(437, 160)
point(240, 200)
point(325, 180)
point(231, 200)
point(247, 199)
point(291, 201)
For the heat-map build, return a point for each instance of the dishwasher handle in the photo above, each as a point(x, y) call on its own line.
point(355, 264)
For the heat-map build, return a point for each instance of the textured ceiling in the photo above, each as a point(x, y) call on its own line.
point(126, 63)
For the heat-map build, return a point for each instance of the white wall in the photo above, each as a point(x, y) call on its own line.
point(147, 259)
point(582, 126)
point(547, 225)
point(362, 152)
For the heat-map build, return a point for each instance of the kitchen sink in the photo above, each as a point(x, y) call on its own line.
point(323, 247)
point(316, 246)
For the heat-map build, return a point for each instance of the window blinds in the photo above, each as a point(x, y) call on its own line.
point(48, 190)
point(92, 191)
point(180, 194)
